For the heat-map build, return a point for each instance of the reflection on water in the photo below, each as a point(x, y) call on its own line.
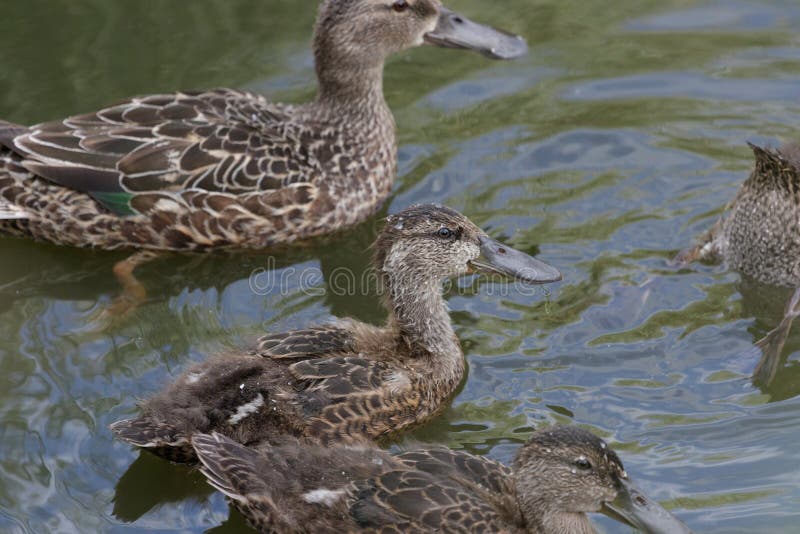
point(619, 138)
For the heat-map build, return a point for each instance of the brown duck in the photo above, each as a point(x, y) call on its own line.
point(226, 168)
point(759, 235)
point(558, 477)
point(350, 380)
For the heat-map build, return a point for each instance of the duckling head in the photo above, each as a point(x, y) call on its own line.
point(565, 472)
point(429, 243)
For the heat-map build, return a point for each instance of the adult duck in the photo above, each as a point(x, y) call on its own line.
point(349, 380)
point(226, 168)
point(558, 476)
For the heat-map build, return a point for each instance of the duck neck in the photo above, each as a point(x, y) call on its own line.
point(562, 523)
point(419, 315)
point(539, 505)
point(349, 87)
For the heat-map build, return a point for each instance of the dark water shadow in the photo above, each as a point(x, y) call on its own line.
point(67, 274)
point(775, 310)
point(235, 524)
point(151, 482)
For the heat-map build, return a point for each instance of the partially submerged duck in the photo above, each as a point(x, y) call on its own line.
point(226, 168)
point(759, 235)
point(349, 380)
point(558, 476)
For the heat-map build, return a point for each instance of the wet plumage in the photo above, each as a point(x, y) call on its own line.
point(557, 477)
point(349, 380)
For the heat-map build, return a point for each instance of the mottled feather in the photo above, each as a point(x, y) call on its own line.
point(759, 233)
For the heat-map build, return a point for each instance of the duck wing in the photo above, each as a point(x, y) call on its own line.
point(220, 141)
point(491, 476)
point(352, 398)
point(304, 344)
point(411, 500)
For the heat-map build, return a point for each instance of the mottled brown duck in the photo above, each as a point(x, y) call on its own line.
point(759, 235)
point(349, 380)
point(558, 476)
point(226, 168)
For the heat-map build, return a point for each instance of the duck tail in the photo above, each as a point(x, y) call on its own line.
point(239, 473)
point(157, 437)
point(228, 466)
point(776, 168)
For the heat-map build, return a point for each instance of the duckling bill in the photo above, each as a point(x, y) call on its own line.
point(349, 380)
point(560, 475)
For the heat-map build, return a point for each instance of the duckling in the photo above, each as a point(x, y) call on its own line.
point(558, 476)
point(348, 380)
point(759, 235)
point(227, 169)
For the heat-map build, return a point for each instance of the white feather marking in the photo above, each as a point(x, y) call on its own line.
point(323, 496)
point(397, 381)
point(194, 377)
point(167, 205)
point(246, 410)
point(10, 212)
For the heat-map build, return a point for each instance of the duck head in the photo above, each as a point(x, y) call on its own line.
point(563, 473)
point(429, 242)
point(363, 33)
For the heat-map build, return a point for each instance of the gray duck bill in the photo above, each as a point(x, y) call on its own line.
point(497, 258)
point(638, 510)
point(456, 31)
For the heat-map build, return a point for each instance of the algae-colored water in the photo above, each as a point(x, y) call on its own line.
point(608, 148)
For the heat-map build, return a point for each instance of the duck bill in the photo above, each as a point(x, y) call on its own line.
point(497, 258)
point(638, 510)
point(456, 31)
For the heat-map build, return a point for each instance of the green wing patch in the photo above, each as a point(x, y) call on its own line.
point(118, 203)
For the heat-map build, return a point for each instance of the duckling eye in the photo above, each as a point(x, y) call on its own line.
point(400, 6)
point(445, 233)
point(583, 463)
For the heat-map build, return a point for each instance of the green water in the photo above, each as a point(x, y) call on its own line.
point(607, 149)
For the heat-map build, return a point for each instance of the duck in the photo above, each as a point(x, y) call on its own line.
point(759, 233)
point(558, 476)
point(225, 168)
point(347, 380)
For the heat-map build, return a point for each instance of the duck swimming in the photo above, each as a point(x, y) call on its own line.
point(759, 235)
point(558, 476)
point(226, 168)
point(348, 380)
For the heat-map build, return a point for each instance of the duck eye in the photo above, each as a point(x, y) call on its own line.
point(583, 463)
point(445, 233)
point(400, 6)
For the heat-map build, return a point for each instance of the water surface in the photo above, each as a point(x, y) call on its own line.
point(620, 137)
